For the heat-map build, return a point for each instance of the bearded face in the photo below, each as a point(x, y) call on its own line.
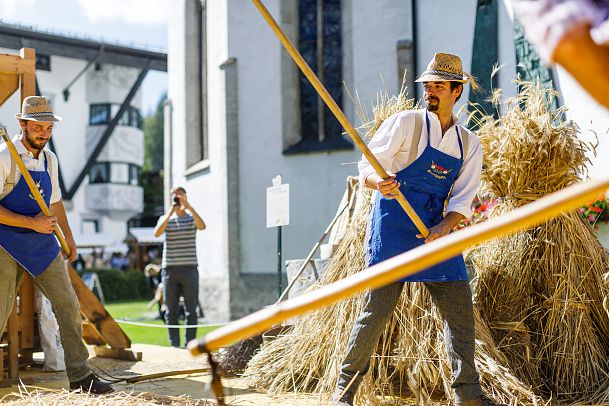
point(37, 133)
point(432, 102)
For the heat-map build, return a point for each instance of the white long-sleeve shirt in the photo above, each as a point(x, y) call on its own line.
point(391, 146)
point(31, 164)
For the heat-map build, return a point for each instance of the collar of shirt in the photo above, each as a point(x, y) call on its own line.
point(436, 138)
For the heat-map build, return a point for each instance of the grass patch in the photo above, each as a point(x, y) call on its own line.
point(138, 311)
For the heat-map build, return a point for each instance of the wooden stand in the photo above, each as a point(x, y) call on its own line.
point(18, 72)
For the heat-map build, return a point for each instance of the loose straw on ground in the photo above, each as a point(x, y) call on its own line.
point(33, 396)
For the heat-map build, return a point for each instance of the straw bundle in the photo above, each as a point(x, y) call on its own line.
point(541, 290)
point(410, 359)
point(29, 396)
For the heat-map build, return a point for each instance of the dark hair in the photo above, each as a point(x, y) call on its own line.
point(454, 85)
point(178, 189)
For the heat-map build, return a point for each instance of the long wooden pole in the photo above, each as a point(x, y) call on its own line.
point(402, 265)
point(33, 188)
point(338, 113)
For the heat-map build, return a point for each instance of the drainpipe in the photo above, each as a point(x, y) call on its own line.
point(415, 45)
point(167, 150)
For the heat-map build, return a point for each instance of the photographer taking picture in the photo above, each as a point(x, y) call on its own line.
point(179, 274)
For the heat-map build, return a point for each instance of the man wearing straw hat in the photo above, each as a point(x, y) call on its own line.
point(436, 164)
point(27, 242)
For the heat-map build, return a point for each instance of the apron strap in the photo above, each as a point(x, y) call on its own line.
point(9, 182)
point(465, 144)
point(48, 164)
point(416, 137)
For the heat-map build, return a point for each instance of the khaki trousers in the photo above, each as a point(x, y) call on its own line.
point(55, 284)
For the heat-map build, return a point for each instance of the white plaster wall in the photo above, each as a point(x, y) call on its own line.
point(125, 145)
point(111, 84)
point(206, 188)
point(317, 181)
point(377, 26)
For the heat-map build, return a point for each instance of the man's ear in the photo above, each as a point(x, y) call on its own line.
point(460, 89)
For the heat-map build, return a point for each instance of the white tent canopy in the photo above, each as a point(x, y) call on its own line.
point(143, 235)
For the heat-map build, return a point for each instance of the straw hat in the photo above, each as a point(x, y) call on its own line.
point(37, 108)
point(444, 67)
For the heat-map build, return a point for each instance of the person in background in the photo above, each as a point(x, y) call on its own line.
point(179, 274)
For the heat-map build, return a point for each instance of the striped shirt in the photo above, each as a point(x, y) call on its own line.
point(180, 246)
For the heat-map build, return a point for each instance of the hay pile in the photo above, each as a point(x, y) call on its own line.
point(541, 290)
point(410, 359)
point(32, 396)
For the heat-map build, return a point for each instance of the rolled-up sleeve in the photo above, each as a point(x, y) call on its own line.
point(56, 191)
point(467, 183)
point(384, 145)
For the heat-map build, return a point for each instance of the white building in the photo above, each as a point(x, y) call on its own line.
point(88, 82)
point(237, 115)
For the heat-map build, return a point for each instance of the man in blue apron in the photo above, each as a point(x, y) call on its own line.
point(436, 164)
point(27, 242)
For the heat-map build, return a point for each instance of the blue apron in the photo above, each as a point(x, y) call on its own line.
point(34, 251)
point(426, 184)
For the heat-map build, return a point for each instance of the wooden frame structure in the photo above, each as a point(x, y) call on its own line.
point(18, 72)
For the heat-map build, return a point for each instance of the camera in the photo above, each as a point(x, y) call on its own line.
point(176, 201)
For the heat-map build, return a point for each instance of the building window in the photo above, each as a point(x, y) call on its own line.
point(121, 173)
point(43, 62)
point(103, 113)
point(99, 114)
point(196, 137)
point(134, 175)
point(99, 173)
point(320, 43)
point(89, 226)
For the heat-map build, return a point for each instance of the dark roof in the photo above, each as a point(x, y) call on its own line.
point(48, 43)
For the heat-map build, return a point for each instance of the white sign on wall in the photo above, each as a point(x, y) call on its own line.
point(277, 204)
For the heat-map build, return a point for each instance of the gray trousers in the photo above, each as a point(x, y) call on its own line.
point(453, 299)
point(55, 284)
point(181, 281)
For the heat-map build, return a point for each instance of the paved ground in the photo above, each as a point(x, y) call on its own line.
point(162, 359)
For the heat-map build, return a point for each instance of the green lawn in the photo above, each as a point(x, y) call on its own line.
point(138, 312)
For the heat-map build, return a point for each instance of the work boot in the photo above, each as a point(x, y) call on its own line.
point(481, 400)
point(91, 384)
